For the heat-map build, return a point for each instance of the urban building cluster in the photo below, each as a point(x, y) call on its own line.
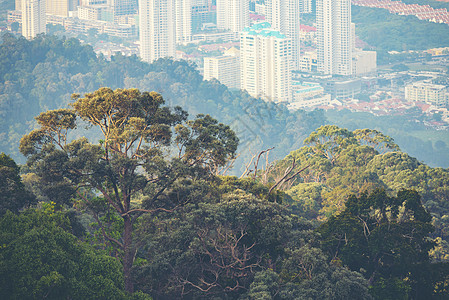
point(257, 46)
point(113, 17)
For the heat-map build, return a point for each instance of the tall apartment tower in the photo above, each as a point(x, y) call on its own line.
point(157, 29)
point(305, 6)
point(124, 7)
point(183, 20)
point(57, 7)
point(265, 63)
point(284, 15)
point(232, 14)
point(334, 36)
point(33, 18)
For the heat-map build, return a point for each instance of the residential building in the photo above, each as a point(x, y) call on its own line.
point(433, 94)
point(93, 2)
point(225, 69)
point(124, 7)
point(308, 62)
point(308, 95)
point(283, 15)
point(202, 12)
point(95, 12)
point(57, 7)
point(225, 36)
point(183, 21)
point(33, 18)
point(157, 29)
point(232, 15)
point(305, 6)
point(260, 9)
point(342, 88)
point(364, 63)
point(265, 63)
point(334, 36)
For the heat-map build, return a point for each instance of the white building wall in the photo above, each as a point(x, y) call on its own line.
point(33, 18)
point(265, 64)
point(183, 15)
point(425, 92)
point(305, 6)
point(334, 36)
point(232, 14)
point(57, 7)
point(364, 62)
point(225, 69)
point(157, 29)
point(284, 15)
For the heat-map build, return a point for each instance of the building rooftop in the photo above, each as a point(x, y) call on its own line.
point(263, 29)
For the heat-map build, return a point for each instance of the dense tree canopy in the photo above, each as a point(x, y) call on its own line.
point(387, 237)
point(339, 163)
point(137, 153)
point(13, 195)
point(41, 259)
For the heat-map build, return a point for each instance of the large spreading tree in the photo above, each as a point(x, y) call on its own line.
point(145, 148)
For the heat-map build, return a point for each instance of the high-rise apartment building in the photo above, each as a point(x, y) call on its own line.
point(57, 7)
point(334, 36)
point(225, 69)
point(33, 18)
point(284, 15)
point(163, 23)
point(202, 12)
point(265, 63)
point(123, 7)
point(183, 20)
point(232, 14)
point(157, 29)
point(305, 6)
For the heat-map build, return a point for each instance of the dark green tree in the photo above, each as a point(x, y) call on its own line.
point(144, 147)
point(387, 238)
point(13, 195)
point(40, 259)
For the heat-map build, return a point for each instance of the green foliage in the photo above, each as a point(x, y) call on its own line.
point(40, 259)
point(362, 160)
point(13, 195)
point(386, 31)
point(41, 74)
point(387, 237)
point(413, 138)
point(230, 245)
point(133, 157)
point(228, 184)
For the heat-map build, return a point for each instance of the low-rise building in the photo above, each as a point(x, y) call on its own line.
point(308, 62)
point(308, 95)
point(426, 92)
point(225, 69)
point(364, 63)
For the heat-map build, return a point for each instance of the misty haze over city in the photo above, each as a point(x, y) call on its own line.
point(224, 149)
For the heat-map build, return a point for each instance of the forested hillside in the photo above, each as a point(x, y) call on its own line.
point(123, 195)
point(339, 163)
point(428, 145)
point(42, 74)
point(386, 32)
point(340, 218)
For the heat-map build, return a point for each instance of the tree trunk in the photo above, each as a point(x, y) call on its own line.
point(128, 254)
